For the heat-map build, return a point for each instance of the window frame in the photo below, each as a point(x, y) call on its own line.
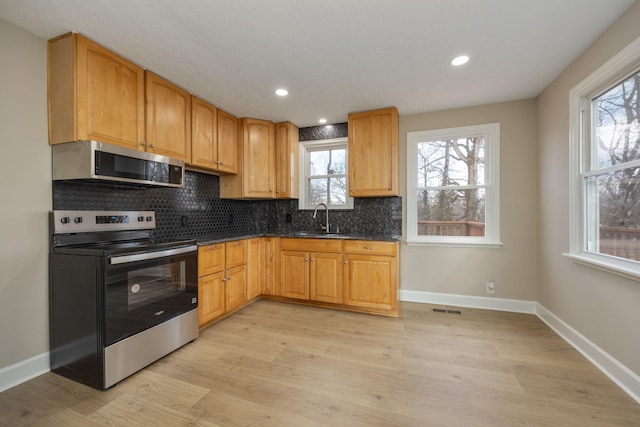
point(318, 145)
point(612, 72)
point(491, 133)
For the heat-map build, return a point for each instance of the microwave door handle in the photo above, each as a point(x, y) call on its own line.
point(123, 259)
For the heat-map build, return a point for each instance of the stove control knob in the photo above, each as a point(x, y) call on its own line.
point(149, 218)
point(77, 220)
point(65, 220)
point(140, 218)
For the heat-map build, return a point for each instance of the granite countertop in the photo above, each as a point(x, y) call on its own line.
point(209, 240)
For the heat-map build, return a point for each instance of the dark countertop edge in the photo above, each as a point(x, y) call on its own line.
point(382, 238)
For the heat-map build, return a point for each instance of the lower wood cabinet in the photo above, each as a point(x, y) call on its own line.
point(325, 276)
point(222, 281)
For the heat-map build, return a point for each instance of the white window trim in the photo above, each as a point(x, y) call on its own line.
point(491, 131)
point(623, 63)
point(304, 165)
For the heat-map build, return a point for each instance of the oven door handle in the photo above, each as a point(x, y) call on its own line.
point(123, 259)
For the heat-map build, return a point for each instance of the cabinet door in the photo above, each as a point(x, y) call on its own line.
point(236, 253)
point(211, 297)
point(210, 259)
point(287, 154)
point(204, 134)
point(168, 118)
point(373, 153)
point(235, 283)
point(94, 94)
point(255, 268)
point(325, 282)
point(269, 250)
point(294, 274)
point(227, 143)
point(259, 158)
point(371, 281)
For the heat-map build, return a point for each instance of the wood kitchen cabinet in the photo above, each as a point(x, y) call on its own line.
point(287, 158)
point(373, 153)
point(255, 268)
point(270, 247)
point(256, 178)
point(93, 94)
point(168, 118)
point(214, 145)
point(371, 275)
point(269, 164)
point(222, 282)
point(311, 269)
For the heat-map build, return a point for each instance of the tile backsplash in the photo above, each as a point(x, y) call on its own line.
point(208, 216)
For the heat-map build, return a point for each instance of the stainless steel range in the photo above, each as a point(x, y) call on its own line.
point(118, 300)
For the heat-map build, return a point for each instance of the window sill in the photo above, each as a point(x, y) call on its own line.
point(600, 264)
point(465, 244)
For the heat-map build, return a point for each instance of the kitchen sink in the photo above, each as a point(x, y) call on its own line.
point(320, 235)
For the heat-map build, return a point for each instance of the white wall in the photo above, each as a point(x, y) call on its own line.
point(601, 306)
point(25, 196)
point(464, 271)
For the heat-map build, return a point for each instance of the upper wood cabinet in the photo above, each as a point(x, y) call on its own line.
point(287, 155)
point(168, 118)
point(256, 178)
point(269, 164)
point(373, 153)
point(228, 156)
point(93, 94)
point(214, 135)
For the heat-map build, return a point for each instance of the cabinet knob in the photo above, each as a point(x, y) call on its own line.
point(142, 143)
point(306, 260)
point(224, 279)
point(229, 278)
point(346, 262)
point(152, 146)
point(313, 259)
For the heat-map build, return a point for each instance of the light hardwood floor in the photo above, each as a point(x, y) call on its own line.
point(276, 364)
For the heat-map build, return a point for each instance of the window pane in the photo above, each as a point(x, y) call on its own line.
point(318, 162)
point(338, 191)
point(617, 128)
point(451, 212)
point(338, 163)
point(317, 191)
point(613, 213)
point(451, 162)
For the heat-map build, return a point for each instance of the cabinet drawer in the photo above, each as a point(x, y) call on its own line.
point(311, 245)
point(210, 259)
point(236, 253)
point(370, 247)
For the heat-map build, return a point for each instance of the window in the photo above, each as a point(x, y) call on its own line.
point(324, 174)
point(605, 168)
point(453, 186)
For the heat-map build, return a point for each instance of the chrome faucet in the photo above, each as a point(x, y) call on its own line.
point(315, 213)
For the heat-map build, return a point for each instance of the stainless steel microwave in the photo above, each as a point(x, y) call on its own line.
point(94, 160)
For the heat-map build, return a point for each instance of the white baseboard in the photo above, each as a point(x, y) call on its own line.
point(25, 370)
point(500, 304)
point(624, 377)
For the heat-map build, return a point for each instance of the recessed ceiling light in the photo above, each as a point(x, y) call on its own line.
point(282, 92)
point(322, 121)
point(460, 60)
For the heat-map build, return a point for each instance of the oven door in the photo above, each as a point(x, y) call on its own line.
point(146, 289)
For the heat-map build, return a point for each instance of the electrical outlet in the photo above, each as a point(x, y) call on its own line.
point(491, 287)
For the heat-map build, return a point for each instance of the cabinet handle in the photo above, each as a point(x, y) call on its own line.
point(346, 262)
point(306, 260)
point(220, 163)
point(313, 259)
point(224, 279)
point(368, 248)
point(152, 146)
point(228, 278)
point(142, 143)
point(271, 256)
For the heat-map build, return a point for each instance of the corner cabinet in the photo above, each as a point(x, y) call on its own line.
point(93, 94)
point(373, 153)
point(168, 118)
point(269, 165)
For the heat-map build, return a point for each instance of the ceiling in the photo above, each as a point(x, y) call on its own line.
point(335, 56)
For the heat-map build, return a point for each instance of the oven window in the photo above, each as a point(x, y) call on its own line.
point(152, 284)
